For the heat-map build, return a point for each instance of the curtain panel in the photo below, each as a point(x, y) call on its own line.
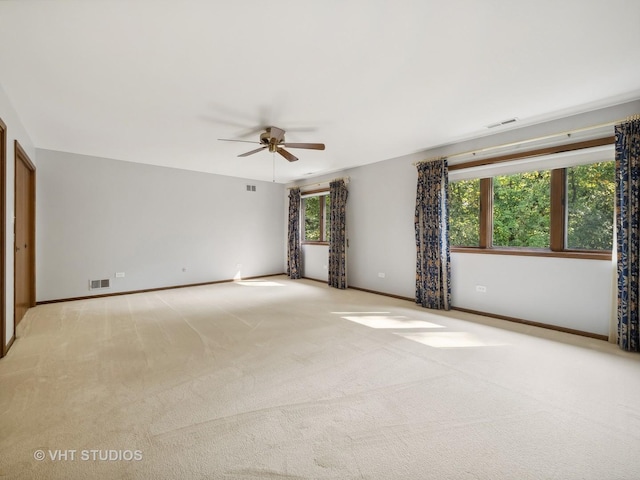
point(338, 194)
point(293, 238)
point(627, 154)
point(433, 268)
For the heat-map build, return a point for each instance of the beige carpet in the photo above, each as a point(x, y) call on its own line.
point(275, 378)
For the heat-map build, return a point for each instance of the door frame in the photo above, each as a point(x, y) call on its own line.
point(21, 156)
point(3, 239)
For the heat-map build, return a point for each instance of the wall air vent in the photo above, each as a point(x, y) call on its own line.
point(98, 284)
point(504, 122)
point(251, 188)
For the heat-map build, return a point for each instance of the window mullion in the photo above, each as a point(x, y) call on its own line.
point(558, 228)
point(486, 212)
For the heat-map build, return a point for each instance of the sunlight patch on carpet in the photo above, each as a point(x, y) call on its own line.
point(448, 339)
point(258, 283)
point(395, 322)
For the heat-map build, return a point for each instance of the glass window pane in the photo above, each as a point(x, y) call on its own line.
point(312, 219)
point(521, 210)
point(464, 213)
point(590, 203)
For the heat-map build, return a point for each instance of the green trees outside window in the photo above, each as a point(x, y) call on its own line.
point(590, 205)
point(532, 210)
point(312, 219)
point(522, 209)
point(464, 213)
point(315, 213)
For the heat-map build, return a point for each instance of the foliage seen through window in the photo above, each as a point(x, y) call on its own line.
point(316, 212)
point(524, 207)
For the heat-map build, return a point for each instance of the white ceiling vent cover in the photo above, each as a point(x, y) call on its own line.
point(504, 122)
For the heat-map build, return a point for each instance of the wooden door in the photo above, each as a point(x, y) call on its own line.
point(24, 259)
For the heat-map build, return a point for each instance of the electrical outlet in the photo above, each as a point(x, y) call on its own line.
point(381, 275)
point(119, 274)
point(481, 289)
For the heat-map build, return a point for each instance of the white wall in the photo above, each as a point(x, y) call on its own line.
point(565, 292)
point(380, 213)
point(97, 216)
point(15, 131)
point(315, 259)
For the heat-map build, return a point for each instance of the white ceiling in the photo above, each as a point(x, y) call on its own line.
point(159, 81)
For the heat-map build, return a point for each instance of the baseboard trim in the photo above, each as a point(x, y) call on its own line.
point(5, 348)
point(399, 297)
point(534, 324)
point(147, 290)
point(499, 317)
point(316, 280)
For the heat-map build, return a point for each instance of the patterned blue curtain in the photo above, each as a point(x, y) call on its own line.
point(628, 232)
point(338, 194)
point(293, 241)
point(433, 269)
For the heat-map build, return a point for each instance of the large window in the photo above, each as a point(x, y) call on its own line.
point(315, 213)
point(566, 210)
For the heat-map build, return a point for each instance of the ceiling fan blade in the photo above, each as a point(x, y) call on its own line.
point(253, 151)
point(233, 140)
point(277, 134)
point(251, 131)
point(220, 121)
point(287, 155)
point(309, 146)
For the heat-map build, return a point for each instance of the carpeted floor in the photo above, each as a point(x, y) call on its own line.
point(274, 378)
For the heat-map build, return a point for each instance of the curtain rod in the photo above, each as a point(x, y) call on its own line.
point(536, 139)
point(346, 180)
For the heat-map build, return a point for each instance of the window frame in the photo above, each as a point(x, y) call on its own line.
point(557, 217)
point(323, 213)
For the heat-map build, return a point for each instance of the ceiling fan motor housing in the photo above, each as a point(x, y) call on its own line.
point(265, 137)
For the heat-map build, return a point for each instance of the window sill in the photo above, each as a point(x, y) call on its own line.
point(532, 252)
point(315, 243)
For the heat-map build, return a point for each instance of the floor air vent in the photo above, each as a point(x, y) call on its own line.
point(98, 284)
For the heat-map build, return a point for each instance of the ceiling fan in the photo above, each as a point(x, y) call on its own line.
point(273, 140)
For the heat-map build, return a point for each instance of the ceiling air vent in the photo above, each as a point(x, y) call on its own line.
point(504, 122)
point(98, 284)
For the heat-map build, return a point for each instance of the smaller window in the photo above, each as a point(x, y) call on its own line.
point(315, 210)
